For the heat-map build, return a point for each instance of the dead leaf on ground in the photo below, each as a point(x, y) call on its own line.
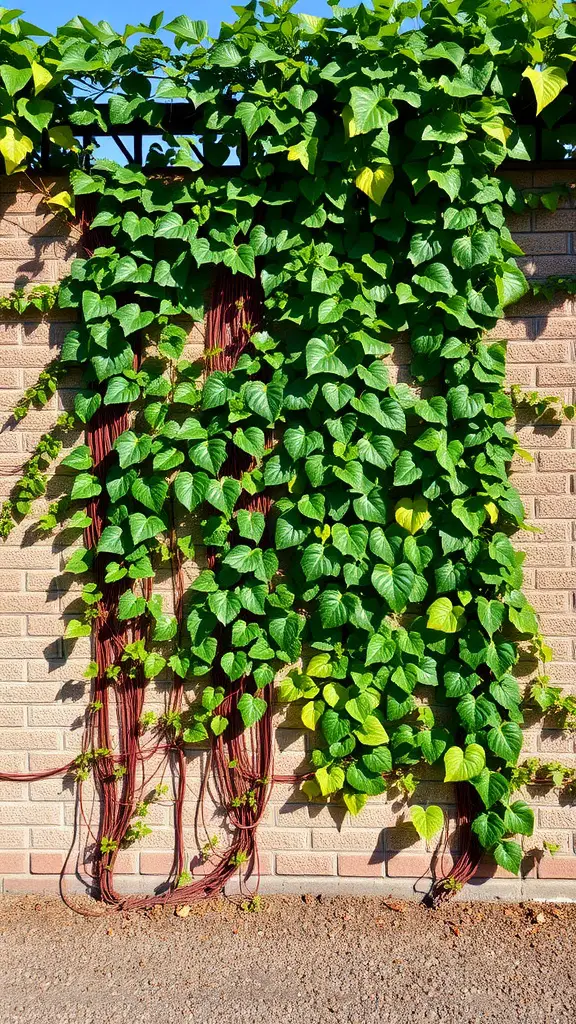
point(395, 905)
point(182, 911)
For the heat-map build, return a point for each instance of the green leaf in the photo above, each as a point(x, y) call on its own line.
point(394, 584)
point(76, 628)
point(132, 318)
point(85, 486)
point(436, 278)
point(321, 357)
point(251, 708)
point(111, 540)
point(121, 391)
point(130, 606)
point(132, 448)
point(511, 284)
point(350, 540)
point(14, 78)
point(264, 399)
point(223, 493)
point(489, 827)
point(153, 664)
point(250, 524)
point(251, 440)
point(505, 741)
point(372, 732)
point(185, 28)
point(334, 607)
point(364, 780)
point(226, 605)
point(145, 527)
point(80, 561)
point(508, 855)
point(150, 491)
point(491, 786)
point(190, 489)
point(462, 765)
point(78, 458)
point(85, 404)
point(491, 614)
point(427, 821)
point(519, 818)
point(235, 664)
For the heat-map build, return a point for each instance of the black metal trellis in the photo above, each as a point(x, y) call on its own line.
point(545, 143)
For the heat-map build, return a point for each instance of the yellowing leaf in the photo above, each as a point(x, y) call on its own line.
point(311, 712)
point(427, 821)
point(41, 77)
point(63, 199)
point(330, 779)
point(375, 183)
point(62, 136)
point(310, 788)
point(496, 129)
point(412, 514)
point(444, 616)
point(319, 667)
point(547, 85)
point(462, 765)
point(349, 122)
point(305, 152)
point(492, 511)
point(354, 802)
point(14, 148)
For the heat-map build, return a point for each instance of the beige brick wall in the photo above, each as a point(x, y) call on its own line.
point(43, 697)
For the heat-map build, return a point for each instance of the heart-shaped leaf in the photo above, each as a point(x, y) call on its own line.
point(427, 821)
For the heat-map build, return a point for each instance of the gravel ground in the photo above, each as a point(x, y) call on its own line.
point(296, 961)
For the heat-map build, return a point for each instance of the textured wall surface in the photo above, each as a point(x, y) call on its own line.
point(43, 697)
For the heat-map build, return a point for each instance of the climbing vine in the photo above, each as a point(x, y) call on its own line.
point(357, 525)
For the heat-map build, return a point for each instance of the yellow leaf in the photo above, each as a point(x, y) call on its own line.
point(323, 532)
point(305, 151)
point(492, 511)
point(496, 129)
point(14, 147)
point(375, 183)
point(354, 802)
point(63, 199)
point(412, 514)
point(547, 85)
point(330, 779)
point(319, 667)
point(310, 788)
point(523, 454)
point(349, 122)
point(311, 712)
point(63, 137)
point(41, 77)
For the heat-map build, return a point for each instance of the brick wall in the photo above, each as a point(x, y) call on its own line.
point(42, 697)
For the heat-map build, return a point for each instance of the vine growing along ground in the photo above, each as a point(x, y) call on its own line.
point(358, 529)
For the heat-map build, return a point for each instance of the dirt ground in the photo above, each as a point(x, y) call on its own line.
point(299, 960)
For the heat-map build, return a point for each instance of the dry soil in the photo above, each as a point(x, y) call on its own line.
point(299, 960)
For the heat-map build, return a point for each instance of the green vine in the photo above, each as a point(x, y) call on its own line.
point(368, 209)
point(42, 297)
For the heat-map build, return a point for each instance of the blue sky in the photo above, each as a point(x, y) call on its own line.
point(50, 16)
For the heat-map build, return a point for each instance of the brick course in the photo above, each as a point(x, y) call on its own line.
point(43, 698)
